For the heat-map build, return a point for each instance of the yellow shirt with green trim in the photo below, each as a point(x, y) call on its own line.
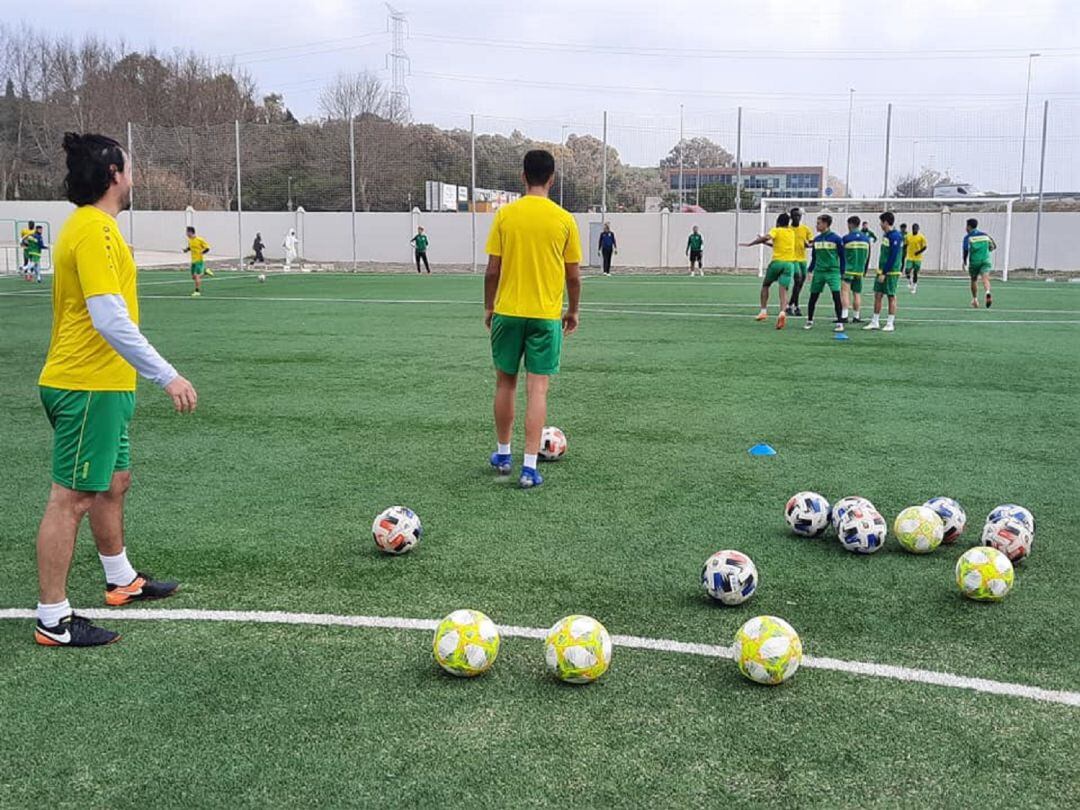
point(915, 243)
point(90, 258)
point(536, 239)
point(802, 234)
point(198, 246)
point(783, 244)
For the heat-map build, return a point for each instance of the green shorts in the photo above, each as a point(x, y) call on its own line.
point(823, 279)
point(888, 285)
point(976, 270)
point(779, 271)
point(538, 340)
point(913, 265)
point(854, 281)
point(198, 268)
point(90, 436)
point(800, 269)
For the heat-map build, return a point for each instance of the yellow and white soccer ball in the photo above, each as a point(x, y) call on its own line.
point(919, 529)
point(466, 643)
point(577, 649)
point(985, 574)
point(767, 650)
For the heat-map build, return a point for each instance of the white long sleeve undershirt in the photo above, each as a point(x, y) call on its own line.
point(109, 314)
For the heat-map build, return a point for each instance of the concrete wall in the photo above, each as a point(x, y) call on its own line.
point(644, 239)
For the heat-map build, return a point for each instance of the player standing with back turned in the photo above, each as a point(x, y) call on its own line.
point(534, 255)
point(890, 261)
point(977, 247)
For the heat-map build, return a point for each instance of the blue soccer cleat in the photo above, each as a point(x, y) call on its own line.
point(502, 463)
point(530, 478)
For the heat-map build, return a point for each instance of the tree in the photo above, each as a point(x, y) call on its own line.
point(721, 197)
point(352, 95)
point(921, 184)
point(697, 152)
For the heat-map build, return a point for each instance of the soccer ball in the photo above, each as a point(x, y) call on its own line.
point(1013, 511)
point(729, 577)
point(552, 444)
point(577, 649)
point(397, 530)
point(807, 514)
point(1010, 536)
point(985, 574)
point(952, 515)
point(262, 278)
point(919, 529)
point(466, 643)
point(841, 506)
point(767, 650)
point(862, 529)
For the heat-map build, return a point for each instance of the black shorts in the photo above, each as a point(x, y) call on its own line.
point(695, 256)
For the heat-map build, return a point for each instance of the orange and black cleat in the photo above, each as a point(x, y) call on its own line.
point(781, 320)
point(74, 631)
point(142, 588)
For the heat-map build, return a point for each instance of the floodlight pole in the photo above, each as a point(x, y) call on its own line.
point(1023, 140)
point(352, 185)
point(680, 158)
point(472, 181)
point(603, 180)
point(131, 208)
point(239, 206)
point(738, 183)
point(847, 169)
point(888, 143)
point(1042, 169)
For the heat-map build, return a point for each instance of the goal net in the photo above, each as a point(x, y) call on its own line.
point(942, 221)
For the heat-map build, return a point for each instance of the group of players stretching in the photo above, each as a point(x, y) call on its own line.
point(840, 263)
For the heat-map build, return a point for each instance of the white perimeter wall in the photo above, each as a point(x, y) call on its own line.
point(645, 240)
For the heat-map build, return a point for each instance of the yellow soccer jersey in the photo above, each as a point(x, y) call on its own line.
point(783, 244)
point(915, 243)
point(89, 258)
point(198, 246)
point(802, 234)
point(536, 240)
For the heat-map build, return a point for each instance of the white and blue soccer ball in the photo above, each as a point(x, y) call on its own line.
point(397, 530)
point(1011, 536)
point(840, 508)
point(1011, 510)
point(952, 516)
point(807, 513)
point(862, 529)
point(729, 577)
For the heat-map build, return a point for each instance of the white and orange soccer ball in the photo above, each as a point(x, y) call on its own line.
point(1011, 536)
point(397, 530)
point(552, 444)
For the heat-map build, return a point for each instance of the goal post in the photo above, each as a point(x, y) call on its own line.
point(940, 219)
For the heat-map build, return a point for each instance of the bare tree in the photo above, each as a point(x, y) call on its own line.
point(352, 95)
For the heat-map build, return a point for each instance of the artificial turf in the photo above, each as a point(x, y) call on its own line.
point(324, 399)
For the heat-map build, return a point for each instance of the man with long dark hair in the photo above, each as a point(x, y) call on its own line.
point(88, 389)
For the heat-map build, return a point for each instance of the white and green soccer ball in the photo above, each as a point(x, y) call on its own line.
point(985, 574)
point(919, 529)
point(577, 649)
point(466, 643)
point(767, 650)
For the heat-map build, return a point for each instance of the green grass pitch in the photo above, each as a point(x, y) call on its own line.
point(325, 398)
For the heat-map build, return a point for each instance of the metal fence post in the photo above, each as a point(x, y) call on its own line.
point(131, 207)
point(239, 206)
point(603, 172)
point(1042, 171)
point(472, 183)
point(738, 183)
point(352, 185)
point(888, 143)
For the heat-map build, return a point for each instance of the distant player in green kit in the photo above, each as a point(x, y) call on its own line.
point(890, 261)
point(420, 243)
point(856, 260)
point(694, 245)
point(827, 267)
point(977, 247)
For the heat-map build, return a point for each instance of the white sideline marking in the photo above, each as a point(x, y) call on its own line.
point(634, 642)
point(902, 321)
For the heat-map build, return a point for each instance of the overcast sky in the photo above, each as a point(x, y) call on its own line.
point(955, 70)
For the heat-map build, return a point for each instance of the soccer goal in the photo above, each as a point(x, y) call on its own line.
point(941, 220)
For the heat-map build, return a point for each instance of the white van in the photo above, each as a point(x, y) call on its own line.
point(957, 190)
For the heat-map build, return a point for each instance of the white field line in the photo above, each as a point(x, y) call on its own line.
point(901, 320)
point(907, 674)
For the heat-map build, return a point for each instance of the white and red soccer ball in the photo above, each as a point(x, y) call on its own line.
point(552, 444)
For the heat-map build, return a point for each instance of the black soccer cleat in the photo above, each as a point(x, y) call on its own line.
point(989, 300)
point(141, 588)
point(74, 631)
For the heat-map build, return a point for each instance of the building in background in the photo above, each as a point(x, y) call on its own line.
point(758, 178)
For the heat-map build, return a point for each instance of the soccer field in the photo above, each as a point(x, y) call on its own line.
point(326, 398)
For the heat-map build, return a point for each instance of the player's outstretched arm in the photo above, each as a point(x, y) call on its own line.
point(109, 315)
point(760, 240)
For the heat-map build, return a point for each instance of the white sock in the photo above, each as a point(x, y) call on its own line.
point(855, 313)
point(889, 320)
point(843, 312)
point(530, 461)
point(875, 318)
point(503, 449)
point(50, 615)
point(118, 570)
point(764, 310)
